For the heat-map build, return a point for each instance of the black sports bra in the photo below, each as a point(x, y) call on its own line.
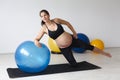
point(57, 33)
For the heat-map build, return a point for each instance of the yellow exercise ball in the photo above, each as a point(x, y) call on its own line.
point(98, 43)
point(53, 46)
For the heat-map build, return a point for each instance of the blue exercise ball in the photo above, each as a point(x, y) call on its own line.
point(30, 58)
point(84, 38)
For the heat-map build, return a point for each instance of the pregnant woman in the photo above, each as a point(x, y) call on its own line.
point(65, 41)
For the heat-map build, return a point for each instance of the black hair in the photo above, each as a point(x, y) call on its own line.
point(45, 11)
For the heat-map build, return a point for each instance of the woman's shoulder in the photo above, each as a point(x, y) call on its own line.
point(60, 21)
point(44, 27)
point(57, 20)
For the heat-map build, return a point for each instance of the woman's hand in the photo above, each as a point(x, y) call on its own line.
point(75, 36)
point(37, 43)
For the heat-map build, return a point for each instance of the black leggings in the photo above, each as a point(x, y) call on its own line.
point(67, 52)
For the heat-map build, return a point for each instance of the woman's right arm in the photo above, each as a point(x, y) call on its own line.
point(39, 36)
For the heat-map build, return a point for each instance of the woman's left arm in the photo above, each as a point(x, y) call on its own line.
point(58, 20)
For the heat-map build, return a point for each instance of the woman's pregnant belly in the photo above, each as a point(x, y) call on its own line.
point(64, 40)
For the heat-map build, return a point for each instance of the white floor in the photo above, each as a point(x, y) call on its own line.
point(110, 67)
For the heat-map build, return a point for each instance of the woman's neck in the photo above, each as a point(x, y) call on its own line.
point(49, 22)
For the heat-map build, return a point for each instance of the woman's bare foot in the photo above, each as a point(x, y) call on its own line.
point(102, 52)
point(107, 54)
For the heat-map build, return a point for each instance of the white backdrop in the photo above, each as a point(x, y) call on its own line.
point(20, 21)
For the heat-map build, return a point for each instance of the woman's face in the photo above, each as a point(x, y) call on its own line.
point(44, 16)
